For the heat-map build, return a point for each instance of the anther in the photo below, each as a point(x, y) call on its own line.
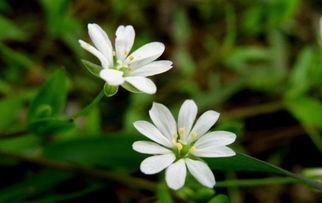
point(181, 131)
point(192, 149)
point(113, 53)
point(129, 69)
point(125, 52)
point(179, 146)
point(131, 58)
point(193, 135)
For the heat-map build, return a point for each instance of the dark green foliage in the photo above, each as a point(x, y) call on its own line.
point(256, 62)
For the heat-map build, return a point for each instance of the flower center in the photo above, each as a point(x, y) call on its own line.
point(181, 148)
point(121, 65)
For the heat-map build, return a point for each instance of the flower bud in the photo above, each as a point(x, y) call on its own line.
point(110, 90)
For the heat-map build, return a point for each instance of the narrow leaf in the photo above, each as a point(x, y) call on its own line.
point(307, 110)
point(49, 126)
point(51, 98)
point(92, 68)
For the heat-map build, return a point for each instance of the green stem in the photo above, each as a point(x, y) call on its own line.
point(256, 182)
point(313, 183)
point(89, 107)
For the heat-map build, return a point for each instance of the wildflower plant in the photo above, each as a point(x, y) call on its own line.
point(50, 134)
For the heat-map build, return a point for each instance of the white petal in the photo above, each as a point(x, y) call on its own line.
point(147, 147)
point(142, 83)
point(155, 164)
point(214, 151)
point(104, 61)
point(101, 41)
point(151, 132)
point(176, 174)
point(145, 54)
point(204, 123)
point(124, 41)
point(201, 172)
point(216, 138)
point(163, 120)
point(186, 117)
point(153, 68)
point(112, 77)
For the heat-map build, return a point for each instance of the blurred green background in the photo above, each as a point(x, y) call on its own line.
point(257, 62)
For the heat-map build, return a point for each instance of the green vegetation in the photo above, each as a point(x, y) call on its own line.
point(258, 63)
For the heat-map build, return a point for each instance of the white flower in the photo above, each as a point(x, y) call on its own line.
point(120, 66)
point(178, 145)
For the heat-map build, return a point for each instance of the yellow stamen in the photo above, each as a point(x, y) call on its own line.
point(193, 135)
point(113, 53)
point(179, 146)
point(126, 52)
point(181, 131)
point(129, 69)
point(131, 58)
point(192, 149)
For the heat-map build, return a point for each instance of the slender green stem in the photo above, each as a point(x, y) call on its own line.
point(313, 183)
point(256, 182)
point(89, 107)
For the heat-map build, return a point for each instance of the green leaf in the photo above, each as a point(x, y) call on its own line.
point(181, 27)
point(184, 60)
point(9, 110)
point(55, 11)
point(109, 90)
point(217, 94)
point(16, 58)
point(280, 12)
point(219, 199)
point(109, 151)
point(50, 100)
point(20, 144)
point(307, 110)
point(241, 58)
point(299, 80)
point(8, 30)
point(48, 126)
point(115, 151)
point(92, 68)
